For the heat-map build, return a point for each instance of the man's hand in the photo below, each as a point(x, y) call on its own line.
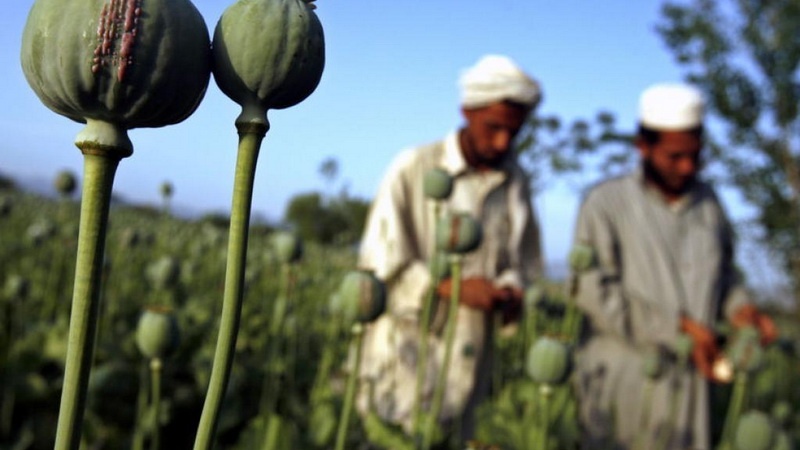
point(748, 315)
point(480, 293)
point(704, 350)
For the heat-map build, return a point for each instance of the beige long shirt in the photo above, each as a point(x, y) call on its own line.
point(654, 261)
point(398, 243)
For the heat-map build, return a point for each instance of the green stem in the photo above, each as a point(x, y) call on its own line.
point(99, 169)
point(249, 145)
point(350, 393)
point(546, 391)
point(141, 409)
point(450, 334)
point(734, 409)
point(155, 385)
point(422, 358)
point(644, 419)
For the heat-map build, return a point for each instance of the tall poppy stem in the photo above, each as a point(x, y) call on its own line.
point(99, 168)
point(250, 137)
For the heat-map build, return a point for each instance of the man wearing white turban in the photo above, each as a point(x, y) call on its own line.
point(662, 275)
point(398, 245)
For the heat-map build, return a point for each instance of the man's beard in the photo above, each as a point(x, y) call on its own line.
point(652, 175)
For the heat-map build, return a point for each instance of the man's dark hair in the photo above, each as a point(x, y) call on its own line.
point(651, 136)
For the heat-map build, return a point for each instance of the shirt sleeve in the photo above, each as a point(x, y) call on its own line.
point(390, 247)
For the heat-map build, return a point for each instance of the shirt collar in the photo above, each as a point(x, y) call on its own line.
point(453, 158)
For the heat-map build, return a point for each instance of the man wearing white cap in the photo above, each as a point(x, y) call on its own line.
point(398, 244)
point(662, 274)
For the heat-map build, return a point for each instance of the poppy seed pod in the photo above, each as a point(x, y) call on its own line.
point(683, 347)
point(164, 273)
point(361, 296)
point(437, 184)
point(783, 441)
point(654, 363)
point(755, 431)
point(111, 64)
point(781, 412)
point(16, 287)
point(745, 352)
point(458, 232)
point(548, 361)
point(288, 247)
point(167, 189)
point(534, 295)
point(581, 258)
point(65, 183)
point(268, 54)
point(440, 266)
point(157, 333)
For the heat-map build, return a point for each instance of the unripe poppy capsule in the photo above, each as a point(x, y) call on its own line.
point(164, 273)
point(288, 246)
point(437, 184)
point(548, 361)
point(654, 363)
point(65, 183)
point(755, 431)
point(581, 258)
point(745, 351)
point(458, 233)
point(157, 333)
point(361, 296)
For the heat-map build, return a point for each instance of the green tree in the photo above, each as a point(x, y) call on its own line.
point(339, 220)
point(744, 54)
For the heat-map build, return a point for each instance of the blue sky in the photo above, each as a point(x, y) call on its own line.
point(389, 82)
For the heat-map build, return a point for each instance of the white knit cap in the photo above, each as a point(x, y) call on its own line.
point(496, 78)
point(671, 106)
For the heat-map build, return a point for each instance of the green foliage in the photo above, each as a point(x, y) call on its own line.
point(304, 354)
point(745, 55)
point(339, 220)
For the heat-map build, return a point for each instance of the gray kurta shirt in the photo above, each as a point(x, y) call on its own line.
point(398, 243)
point(654, 261)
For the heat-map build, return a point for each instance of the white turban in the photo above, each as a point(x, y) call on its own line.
point(494, 79)
point(671, 106)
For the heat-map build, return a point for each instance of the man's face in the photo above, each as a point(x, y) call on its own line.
point(673, 162)
point(490, 131)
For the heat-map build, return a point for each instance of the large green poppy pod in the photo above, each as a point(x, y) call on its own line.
point(458, 232)
point(361, 296)
point(534, 295)
point(549, 361)
point(117, 64)
point(16, 287)
point(745, 352)
point(167, 189)
point(781, 412)
point(65, 183)
point(683, 347)
point(755, 431)
point(437, 184)
point(783, 441)
point(157, 333)
point(440, 265)
point(654, 362)
point(581, 258)
point(288, 246)
point(164, 273)
point(268, 54)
